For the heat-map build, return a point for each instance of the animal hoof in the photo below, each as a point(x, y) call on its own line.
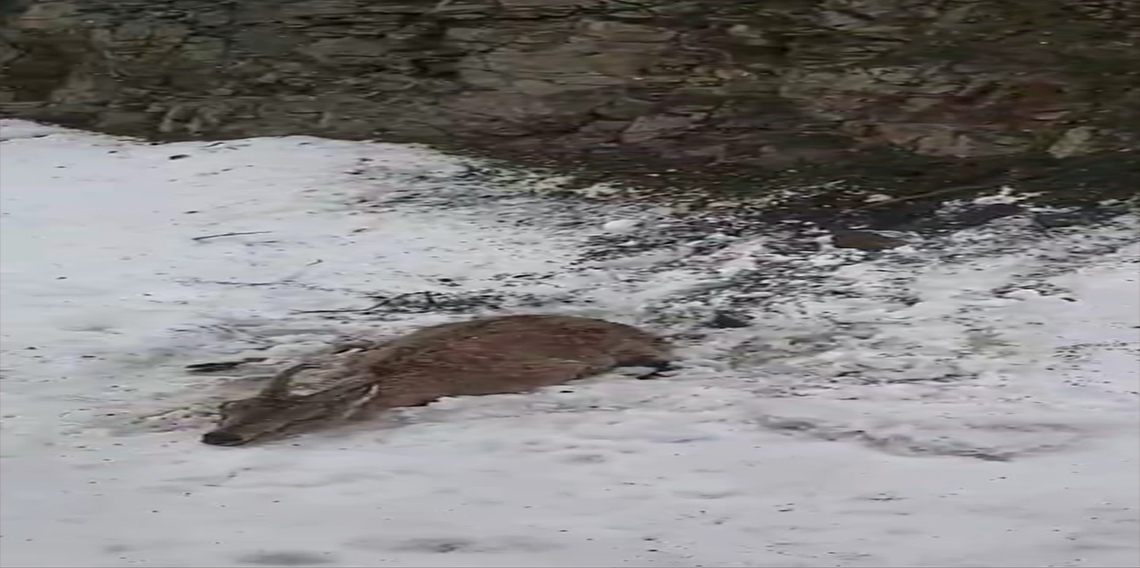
point(222, 439)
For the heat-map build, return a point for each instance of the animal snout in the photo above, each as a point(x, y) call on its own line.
point(219, 438)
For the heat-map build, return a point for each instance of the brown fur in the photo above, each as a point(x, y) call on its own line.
point(483, 356)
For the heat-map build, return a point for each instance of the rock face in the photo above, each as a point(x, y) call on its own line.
point(758, 83)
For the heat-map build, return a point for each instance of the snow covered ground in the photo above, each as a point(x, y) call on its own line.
point(966, 401)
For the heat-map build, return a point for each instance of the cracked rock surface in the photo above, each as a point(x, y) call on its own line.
point(622, 85)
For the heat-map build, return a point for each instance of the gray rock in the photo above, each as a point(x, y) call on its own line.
point(864, 240)
point(983, 214)
point(727, 320)
point(771, 84)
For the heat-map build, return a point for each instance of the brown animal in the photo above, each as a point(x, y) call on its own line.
point(482, 356)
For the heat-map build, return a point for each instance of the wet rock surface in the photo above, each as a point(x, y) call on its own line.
point(733, 96)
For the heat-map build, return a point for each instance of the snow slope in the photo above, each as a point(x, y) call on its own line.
point(965, 401)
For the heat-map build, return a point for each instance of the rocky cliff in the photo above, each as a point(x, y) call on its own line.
point(649, 84)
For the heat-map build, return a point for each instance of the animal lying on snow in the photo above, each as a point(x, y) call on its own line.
point(483, 356)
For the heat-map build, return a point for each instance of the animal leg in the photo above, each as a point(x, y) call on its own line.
point(639, 354)
point(352, 345)
point(376, 407)
point(658, 370)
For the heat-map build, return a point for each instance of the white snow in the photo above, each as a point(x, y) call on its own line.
point(964, 402)
point(620, 226)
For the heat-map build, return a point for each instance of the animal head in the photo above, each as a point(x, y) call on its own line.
point(273, 411)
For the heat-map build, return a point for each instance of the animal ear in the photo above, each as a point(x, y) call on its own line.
point(278, 386)
point(350, 388)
